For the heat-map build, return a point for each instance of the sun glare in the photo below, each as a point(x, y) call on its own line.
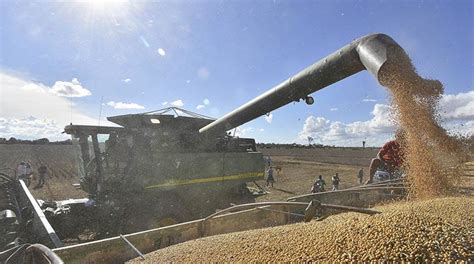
point(104, 5)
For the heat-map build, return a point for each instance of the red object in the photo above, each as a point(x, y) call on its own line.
point(392, 153)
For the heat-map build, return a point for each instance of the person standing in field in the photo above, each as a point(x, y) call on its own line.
point(23, 172)
point(268, 161)
point(335, 182)
point(42, 171)
point(360, 176)
point(319, 185)
point(20, 170)
point(29, 173)
point(270, 179)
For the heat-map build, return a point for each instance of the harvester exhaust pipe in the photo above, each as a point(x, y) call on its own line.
point(367, 53)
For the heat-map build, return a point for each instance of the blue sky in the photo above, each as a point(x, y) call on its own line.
point(145, 53)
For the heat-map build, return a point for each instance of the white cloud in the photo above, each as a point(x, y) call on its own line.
point(269, 118)
point(242, 131)
point(315, 124)
point(458, 106)
point(177, 103)
point(127, 80)
point(20, 99)
point(205, 103)
point(380, 123)
point(333, 109)
point(69, 89)
point(328, 132)
point(120, 105)
point(457, 112)
point(30, 128)
point(203, 73)
point(161, 52)
point(464, 128)
point(367, 100)
point(261, 130)
point(164, 103)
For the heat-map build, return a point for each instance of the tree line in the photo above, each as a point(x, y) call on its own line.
point(41, 141)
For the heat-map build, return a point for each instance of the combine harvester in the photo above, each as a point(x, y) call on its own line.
point(155, 156)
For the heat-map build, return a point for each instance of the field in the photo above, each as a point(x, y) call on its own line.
point(348, 156)
point(61, 163)
point(299, 168)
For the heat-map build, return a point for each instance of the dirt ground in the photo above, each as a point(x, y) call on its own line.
point(340, 155)
point(297, 177)
point(299, 168)
point(61, 164)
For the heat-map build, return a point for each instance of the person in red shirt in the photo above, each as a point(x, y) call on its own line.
point(390, 155)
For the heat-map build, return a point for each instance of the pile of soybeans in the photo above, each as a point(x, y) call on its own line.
point(439, 230)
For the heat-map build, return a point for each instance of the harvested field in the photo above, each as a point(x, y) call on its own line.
point(439, 230)
point(62, 168)
point(297, 176)
point(299, 168)
point(347, 156)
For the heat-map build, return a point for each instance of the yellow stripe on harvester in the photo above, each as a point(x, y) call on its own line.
point(203, 180)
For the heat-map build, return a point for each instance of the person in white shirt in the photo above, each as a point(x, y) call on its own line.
point(21, 169)
point(335, 182)
point(23, 172)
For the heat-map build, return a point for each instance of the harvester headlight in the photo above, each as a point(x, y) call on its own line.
point(309, 100)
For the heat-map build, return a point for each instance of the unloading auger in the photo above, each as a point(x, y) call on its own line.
point(370, 53)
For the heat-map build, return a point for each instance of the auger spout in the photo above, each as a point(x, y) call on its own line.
point(366, 53)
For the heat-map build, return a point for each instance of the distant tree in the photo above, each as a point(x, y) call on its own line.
point(12, 140)
point(310, 140)
point(41, 141)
